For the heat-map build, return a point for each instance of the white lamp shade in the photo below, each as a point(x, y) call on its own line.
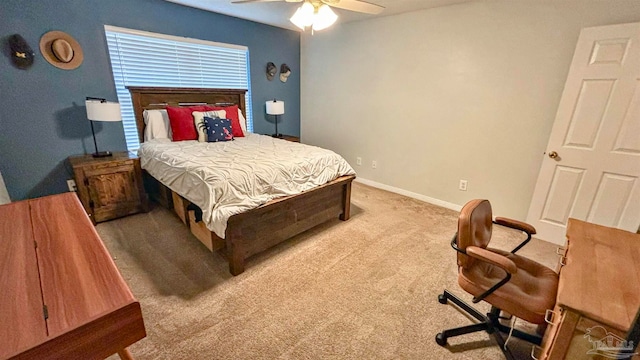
point(275, 107)
point(324, 18)
point(103, 111)
point(303, 16)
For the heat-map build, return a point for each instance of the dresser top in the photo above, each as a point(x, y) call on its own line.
point(602, 273)
point(58, 275)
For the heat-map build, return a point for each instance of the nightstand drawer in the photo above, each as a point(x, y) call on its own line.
point(107, 168)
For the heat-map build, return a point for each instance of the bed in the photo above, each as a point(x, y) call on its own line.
point(254, 230)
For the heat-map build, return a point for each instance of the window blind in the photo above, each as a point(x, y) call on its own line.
point(140, 58)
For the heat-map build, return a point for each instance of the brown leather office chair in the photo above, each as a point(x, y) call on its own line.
point(509, 282)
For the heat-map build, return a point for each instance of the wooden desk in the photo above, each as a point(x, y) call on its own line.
point(598, 290)
point(62, 295)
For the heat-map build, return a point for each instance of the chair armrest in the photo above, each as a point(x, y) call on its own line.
point(515, 224)
point(498, 260)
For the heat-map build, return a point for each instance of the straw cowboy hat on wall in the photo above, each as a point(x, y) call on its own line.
point(61, 50)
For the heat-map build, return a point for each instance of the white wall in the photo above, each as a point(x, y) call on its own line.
point(467, 91)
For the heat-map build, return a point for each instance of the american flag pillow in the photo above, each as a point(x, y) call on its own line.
point(218, 129)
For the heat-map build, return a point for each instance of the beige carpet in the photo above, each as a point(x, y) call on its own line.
point(362, 289)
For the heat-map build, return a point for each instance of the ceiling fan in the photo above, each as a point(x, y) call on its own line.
point(318, 15)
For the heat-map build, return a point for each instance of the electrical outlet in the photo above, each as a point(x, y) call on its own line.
point(374, 164)
point(463, 185)
point(72, 185)
point(358, 160)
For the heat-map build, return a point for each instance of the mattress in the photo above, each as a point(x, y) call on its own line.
point(231, 177)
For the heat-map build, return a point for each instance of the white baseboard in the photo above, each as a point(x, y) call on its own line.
point(410, 194)
point(429, 200)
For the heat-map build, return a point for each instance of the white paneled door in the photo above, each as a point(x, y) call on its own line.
point(591, 169)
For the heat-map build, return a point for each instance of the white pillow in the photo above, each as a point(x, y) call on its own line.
point(157, 125)
point(198, 118)
point(243, 121)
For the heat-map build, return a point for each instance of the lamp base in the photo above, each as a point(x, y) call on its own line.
point(101, 154)
point(277, 136)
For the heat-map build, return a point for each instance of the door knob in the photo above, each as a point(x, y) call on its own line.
point(553, 154)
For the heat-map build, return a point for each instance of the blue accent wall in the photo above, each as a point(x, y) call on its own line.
point(42, 114)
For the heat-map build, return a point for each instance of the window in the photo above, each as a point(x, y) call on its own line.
point(140, 58)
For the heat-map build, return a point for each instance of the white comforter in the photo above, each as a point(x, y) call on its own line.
point(227, 178)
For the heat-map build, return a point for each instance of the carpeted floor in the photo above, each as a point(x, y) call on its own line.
point(362, 289)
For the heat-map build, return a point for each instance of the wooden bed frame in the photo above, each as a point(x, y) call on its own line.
point(258, 229)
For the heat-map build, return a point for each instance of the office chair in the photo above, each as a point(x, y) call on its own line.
point(511, 283)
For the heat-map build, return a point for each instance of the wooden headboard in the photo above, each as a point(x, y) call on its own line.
point(144, 98)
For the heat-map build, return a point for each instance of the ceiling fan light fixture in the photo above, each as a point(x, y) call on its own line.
point(304, 16)
point(324, 18)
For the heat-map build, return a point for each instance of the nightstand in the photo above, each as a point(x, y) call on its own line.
point(287, 137)
point(109, 187)
point(290, 138)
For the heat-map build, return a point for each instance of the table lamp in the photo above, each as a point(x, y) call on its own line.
point(275, 107)
point(101, 110)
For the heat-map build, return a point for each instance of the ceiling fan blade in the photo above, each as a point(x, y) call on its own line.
point(355, 5)
point(255, 1)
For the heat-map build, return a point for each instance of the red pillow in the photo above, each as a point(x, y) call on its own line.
point(232, 114)
point(182, 126)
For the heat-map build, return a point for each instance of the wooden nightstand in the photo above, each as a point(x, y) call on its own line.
point(290, 138)
point(109, 187)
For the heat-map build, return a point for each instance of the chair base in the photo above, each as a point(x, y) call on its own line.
point(489, 323)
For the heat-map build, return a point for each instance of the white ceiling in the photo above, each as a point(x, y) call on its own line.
point(278, 13)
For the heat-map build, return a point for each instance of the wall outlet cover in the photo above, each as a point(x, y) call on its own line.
point(71, 184)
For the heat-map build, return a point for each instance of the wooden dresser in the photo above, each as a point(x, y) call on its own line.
point(109, 187)
point(598, 294)
point(62, 296)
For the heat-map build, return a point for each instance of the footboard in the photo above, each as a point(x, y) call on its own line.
point(258, 229)
point(261, 228)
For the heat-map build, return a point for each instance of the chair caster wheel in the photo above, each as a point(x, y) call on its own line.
point(441, 339)
point(442, 299)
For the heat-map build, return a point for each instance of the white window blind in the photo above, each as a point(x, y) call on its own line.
point(140, 58)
